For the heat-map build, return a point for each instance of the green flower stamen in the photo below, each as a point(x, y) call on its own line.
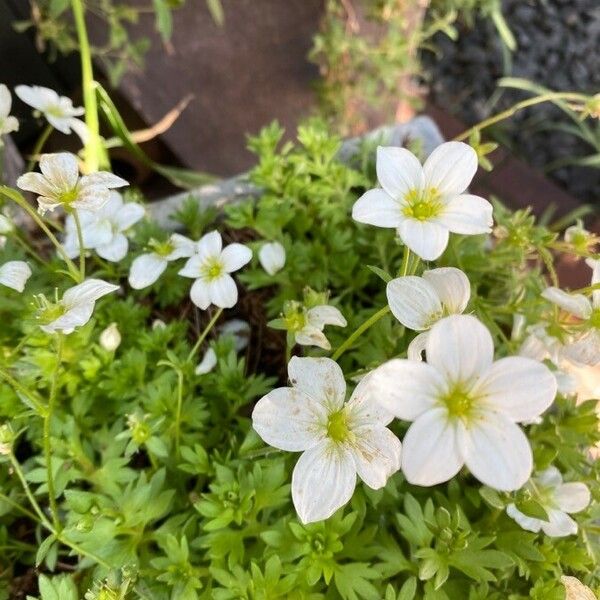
point(423, 204)
point(337, 426)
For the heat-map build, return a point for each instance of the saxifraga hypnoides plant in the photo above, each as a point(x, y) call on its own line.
point(425, 428)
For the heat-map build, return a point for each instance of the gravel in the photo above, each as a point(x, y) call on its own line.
point(558, 47)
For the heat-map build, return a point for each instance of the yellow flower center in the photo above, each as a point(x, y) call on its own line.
point(459, 403)
point(68, 196)
point(423, 205)
point(161, 248)
point(337, 426)
point(295, 321)
point(212, 269)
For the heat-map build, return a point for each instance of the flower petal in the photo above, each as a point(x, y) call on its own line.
point(210, 245)
point(200, 294)
point(192, 267)
point(518, 387)
point(145, 270)
point(398, 170)
point(405, 388)
point(426, 239)
point(36, 183)
point(235, 256)
point(208, 362)
point(61, 170)
point(572, 497)
point(288, 419)
point(223, 291)
point(559, 524)
point(87, 292)
point(312, 336)
point(376, 454)
point(272, 257)
point(115, 250)
point(586, 349)
point(14, 274)
point(378, 208)
point(576, 304)
point(460, 347)
point(104, 179)
point(183, 247)
point(128, 215)
point(497, 452)
point(526, 522)
point(322, 315)
point(414, 302)
point(363, 408)
point(36, 96)
point(452, 287)
point(417, 346)
point(320, 378)
point(450, 168)
point(430, 449)
point(76, 316)
point(323, 481)
point(467, 214)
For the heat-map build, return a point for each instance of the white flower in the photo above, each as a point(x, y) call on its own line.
point(306, 325)
point(464, 406)
point(75, 308)
point(584, 380)
point(575, 590)
point(57, 110)
point(208, 362)
point(419, 302)
point(14, 274)
point(104, 230)
point(147, 268)
point(586, 347)
point(272, 257)
point(59, 184)
point(424, 203)
point(110, 338)
point(339, 440)
point(557, 499)
point(211, 268)
point(8, 123)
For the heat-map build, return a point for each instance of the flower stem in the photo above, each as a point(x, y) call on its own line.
point(405, 262)
point(20, 201)
point(80, 242)
point(47, 443)
point(203, 335)
point(95, 155)
point(179, 407)
point(366, 325)
point(44, 521)
point(37, 149)
point(550, 97)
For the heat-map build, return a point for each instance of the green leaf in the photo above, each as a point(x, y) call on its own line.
point(386, 277)
point(163, 19)
point(44, 549)
point(216, 11)
point(408, 589)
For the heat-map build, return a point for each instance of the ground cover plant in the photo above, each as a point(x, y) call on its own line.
point(366, 383)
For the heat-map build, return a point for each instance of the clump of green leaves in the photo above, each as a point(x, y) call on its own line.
point(163, 489)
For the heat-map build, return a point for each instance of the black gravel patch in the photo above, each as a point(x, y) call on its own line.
point(558, 47)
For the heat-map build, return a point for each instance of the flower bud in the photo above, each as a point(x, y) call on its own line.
point(110, 338)
point(272, 257)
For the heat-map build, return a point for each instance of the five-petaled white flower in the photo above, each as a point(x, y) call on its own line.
point(14, 274)
point(464, 407)
point(59, 184)
point(339, 439)
point(585, 348)
point(425, 203)
point(211, 268)
point(74, 309)
point(419, 302)
point(557, 499)
point(8, 123)
point(104, 230)
point(57, 110)
point(272, 257)
point(147, 268)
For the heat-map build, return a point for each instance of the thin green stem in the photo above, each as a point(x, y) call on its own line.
point(366, 325)
point(179, 407)
point(18, 507)
point(95, 156)
point(47, 441)
point(22, 242)
point(550, 97)
point(20, 201)
point(203, 335)
point(39, 145)
point(46, 523)
point(405, 262)
point(75, 214)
